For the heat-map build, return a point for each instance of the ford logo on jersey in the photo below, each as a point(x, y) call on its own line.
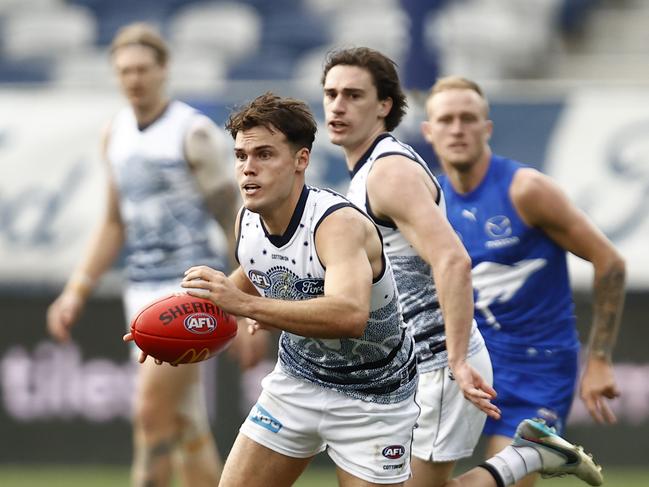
point(310, 287)
point(200, 323)
point(393, 451)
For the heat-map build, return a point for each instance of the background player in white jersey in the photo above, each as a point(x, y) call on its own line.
point(363, 101)
point(312, 265)
point(168, 178)
point(517, 226)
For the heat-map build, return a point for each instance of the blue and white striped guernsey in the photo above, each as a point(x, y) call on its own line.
point(168, 227)
point(417, 293)
point(379, 366)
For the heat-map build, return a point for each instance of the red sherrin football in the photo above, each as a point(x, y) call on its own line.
point(182, 329)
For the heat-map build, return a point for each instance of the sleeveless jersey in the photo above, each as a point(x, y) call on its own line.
point(520, 277)
point(167, 225)
point(379, 366)
point(417, 293)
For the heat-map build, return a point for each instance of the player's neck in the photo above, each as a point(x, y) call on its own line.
point(466, 179)
point(277, 219)
point(353, 153)
point(146, 115)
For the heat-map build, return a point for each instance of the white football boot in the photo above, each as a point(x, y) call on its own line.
point(559, 457)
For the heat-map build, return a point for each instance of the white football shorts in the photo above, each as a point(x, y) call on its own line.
point(449, 426)
point(299, 419)
point(192, 405)
point(137, 295)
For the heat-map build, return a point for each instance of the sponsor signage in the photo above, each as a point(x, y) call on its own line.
point(52, 180)
point(599, 154)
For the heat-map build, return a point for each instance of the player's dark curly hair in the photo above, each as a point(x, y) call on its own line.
point(384, 75)
point(290, 116)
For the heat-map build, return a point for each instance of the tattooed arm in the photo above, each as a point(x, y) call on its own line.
point(541, 203)
point(607, 310)
point(598, 381)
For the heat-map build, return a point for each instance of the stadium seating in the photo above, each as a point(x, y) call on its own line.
point(494, 39)
point(229, 30)
point(63, 41)
point(47, 32)
point(29, 71)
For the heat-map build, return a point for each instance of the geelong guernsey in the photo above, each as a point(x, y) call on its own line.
point(417, 293)
point(520, 277)
point(167, 223)
point(377, 367)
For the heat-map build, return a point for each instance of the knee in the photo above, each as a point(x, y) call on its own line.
point(151, 418)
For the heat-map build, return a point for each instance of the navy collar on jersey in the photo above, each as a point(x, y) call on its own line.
point(162, 113)
point(281, 240)
point(368, 153)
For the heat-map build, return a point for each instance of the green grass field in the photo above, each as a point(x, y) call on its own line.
point(73, 476)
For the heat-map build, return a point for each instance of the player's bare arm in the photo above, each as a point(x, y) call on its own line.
point(208, 154)
point(250, 346)
point(108, 238)
point(541, 203)
point(342, 246)
point(101, 251)
point(399, 190)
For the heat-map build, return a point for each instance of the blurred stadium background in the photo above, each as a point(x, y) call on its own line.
point(569, 86)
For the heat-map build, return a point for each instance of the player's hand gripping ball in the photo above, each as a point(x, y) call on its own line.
point(183, 329)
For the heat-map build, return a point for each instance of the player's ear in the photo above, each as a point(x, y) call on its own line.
point(426, 131)
point(489, 129)
point(386, 106)
point(165, 69)
point(302, 157)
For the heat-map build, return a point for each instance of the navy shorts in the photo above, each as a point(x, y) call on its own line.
point(537, 384)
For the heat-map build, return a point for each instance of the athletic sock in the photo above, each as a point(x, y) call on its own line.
point(513, 463)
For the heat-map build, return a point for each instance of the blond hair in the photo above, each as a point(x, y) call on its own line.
point(457, 83)
point(141, 34)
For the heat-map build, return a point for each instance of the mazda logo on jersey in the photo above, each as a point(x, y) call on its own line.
point(259, 279)
point(393, 452)
point(498, 227)
point(310, 287)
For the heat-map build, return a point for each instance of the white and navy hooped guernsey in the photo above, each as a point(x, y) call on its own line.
point(167, 223)
point(378, 367)
point(417, 292)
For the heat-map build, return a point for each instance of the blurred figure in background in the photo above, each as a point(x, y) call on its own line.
point(168, 179)
point(518, 226)
point(363, 102)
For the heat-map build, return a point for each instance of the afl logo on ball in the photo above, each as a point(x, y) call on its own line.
point(200, 323)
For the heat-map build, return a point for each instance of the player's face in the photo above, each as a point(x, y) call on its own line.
point(269, 171)
point(458, 127)
point(353, 112)
point(140, 76)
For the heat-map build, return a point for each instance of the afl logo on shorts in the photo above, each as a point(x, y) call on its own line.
point(393, 452)
point(259, 279)
point(200, 323)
